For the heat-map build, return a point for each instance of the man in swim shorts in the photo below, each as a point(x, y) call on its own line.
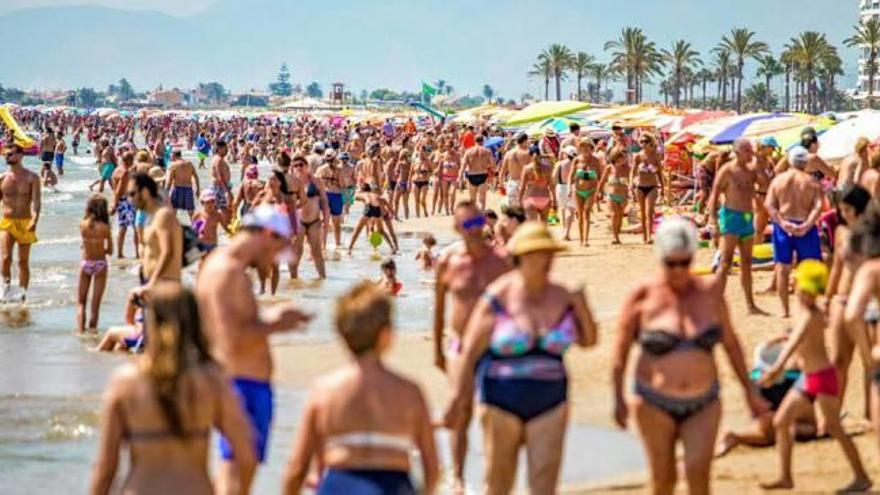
point(794, 203)
point(476, 165)
point(47, 147)
point(122, 205)
point(60, 148)
point(515, 160)
point(182, 179)
point(203, 147)
point(463, 273)
point(20, 202)
point(221, 182)
point(238, 332)
point(734, 220)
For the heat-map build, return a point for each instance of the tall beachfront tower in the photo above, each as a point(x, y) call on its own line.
point(867, 9)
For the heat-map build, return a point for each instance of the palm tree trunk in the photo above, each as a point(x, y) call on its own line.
point(558, 86)
point(579, 88)
point(787, 89)
point(769, 94)
point(739, 87)
point(704, 93)
point(546, 87)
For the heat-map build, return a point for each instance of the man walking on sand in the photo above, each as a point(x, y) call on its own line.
point(20, 201)
point(794, 202)
point(463, 272)
point(734, 219)
point(476, 165)
point(238, 333)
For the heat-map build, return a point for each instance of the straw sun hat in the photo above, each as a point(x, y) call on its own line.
point(533, 237)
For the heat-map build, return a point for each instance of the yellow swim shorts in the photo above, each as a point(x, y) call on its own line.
point(18, 228)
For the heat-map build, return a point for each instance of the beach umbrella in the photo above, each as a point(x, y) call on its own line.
point(762, 125)
point(700, 130)
point(493, 142)
point(840, 140)
point(685, 121)
point(558, 124)
point(537, 112)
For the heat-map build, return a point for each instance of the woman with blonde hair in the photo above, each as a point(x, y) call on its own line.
point(163, 406)
point(646, 178)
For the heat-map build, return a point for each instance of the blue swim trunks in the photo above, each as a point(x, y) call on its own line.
point(807, 247)
point(59, 160)
point(335, 203)
point(107, 170)
point(140, 219)
point(366, 482)
point(182, 198)
point(348, 195)
point(737, 223)
point(257, 400)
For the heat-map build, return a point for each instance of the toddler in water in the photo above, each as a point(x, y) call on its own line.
point(48, 176)
point(818, 384)
point(425, 255)
point(97, 244)
point(389, 282)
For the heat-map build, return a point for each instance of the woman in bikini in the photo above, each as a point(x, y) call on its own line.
point(271, 194)
point(404, 173)
point(448, 175)
point(514, 345)
point(584, 181)
point(314, 217)
point(677, 319)
point(764, 164)
point(353, 428)
point(97, 244)
point(163, 407)
point(647, 181)
point(422, 178)
point(854, 200)
point(562, 177)
point(535, 194)
point(615, 183)
point(372, 220)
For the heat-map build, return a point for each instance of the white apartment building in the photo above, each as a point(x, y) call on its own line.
point(867, 10)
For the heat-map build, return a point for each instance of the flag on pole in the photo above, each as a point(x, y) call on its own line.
point(428, 90)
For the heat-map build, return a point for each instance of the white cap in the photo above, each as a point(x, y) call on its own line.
point(269, 218)
point(798, 156)
point(330, 153)
point(319, 146)
point(570, 151)
point(675, 236)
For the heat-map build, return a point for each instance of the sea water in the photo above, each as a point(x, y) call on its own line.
point(51, 384)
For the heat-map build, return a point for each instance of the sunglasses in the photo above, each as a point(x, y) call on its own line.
point(474, 223)
point(299, 165)
point(677, 263)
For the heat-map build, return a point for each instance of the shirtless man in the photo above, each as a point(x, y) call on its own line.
point(20, 201)
point(60, 148)
point(315, 158)
point(331, 178)
point(122, 206)
point(476, 165)
point(238, 334)
point(404, 181)
point(734, 220)
point(515, 160)
point(220, 181)
point(573, 138)
point(163, 238)
point(47, 147)
point(794, 202)
point(179, 180)
point(852, 167)
point(463, 272)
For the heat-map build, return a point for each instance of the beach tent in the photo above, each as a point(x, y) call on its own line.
point(840, 140)
point(560, 125)
point(544, 110)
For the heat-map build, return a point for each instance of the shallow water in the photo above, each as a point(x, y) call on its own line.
point(50, 385)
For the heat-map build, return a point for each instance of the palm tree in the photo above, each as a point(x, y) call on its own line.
point(741, 46)
point(488, 92)
point(542, 68)
point(768, 68)
point(830, 66)
point(635, 58)
point(600, 72)
point(680, 58)
point(809, 48)
point(560, 59)
point(581, 64)
point(788, 60)
point(722, 63)
point(867, 36)
point(705, 76)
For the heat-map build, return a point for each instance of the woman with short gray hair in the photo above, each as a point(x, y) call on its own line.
point(677, 319)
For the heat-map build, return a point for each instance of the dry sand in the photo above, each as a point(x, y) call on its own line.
point(608, 273)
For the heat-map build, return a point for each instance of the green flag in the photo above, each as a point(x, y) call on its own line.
point(427, 89)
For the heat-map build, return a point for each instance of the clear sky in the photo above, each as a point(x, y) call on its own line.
point(366, 43)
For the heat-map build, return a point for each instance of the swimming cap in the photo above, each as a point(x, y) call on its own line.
point(811, 277)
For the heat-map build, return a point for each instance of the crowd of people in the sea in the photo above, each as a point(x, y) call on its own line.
point(502, 318)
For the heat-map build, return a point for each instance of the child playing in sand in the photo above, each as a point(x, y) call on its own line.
point(425, 255)
point(818, 384)
point(389, 281)
point(354, 430)
point(97, 244)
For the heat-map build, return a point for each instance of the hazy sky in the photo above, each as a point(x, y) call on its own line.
point(369, 43)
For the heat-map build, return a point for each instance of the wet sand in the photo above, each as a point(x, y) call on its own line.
point(609, 273)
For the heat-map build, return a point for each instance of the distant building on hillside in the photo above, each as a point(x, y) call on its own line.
point(169, 98)
point(868, 9)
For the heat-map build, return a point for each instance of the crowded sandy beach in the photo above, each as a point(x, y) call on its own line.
point(443, 295)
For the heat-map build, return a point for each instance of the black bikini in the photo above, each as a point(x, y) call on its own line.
point(661, 342)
